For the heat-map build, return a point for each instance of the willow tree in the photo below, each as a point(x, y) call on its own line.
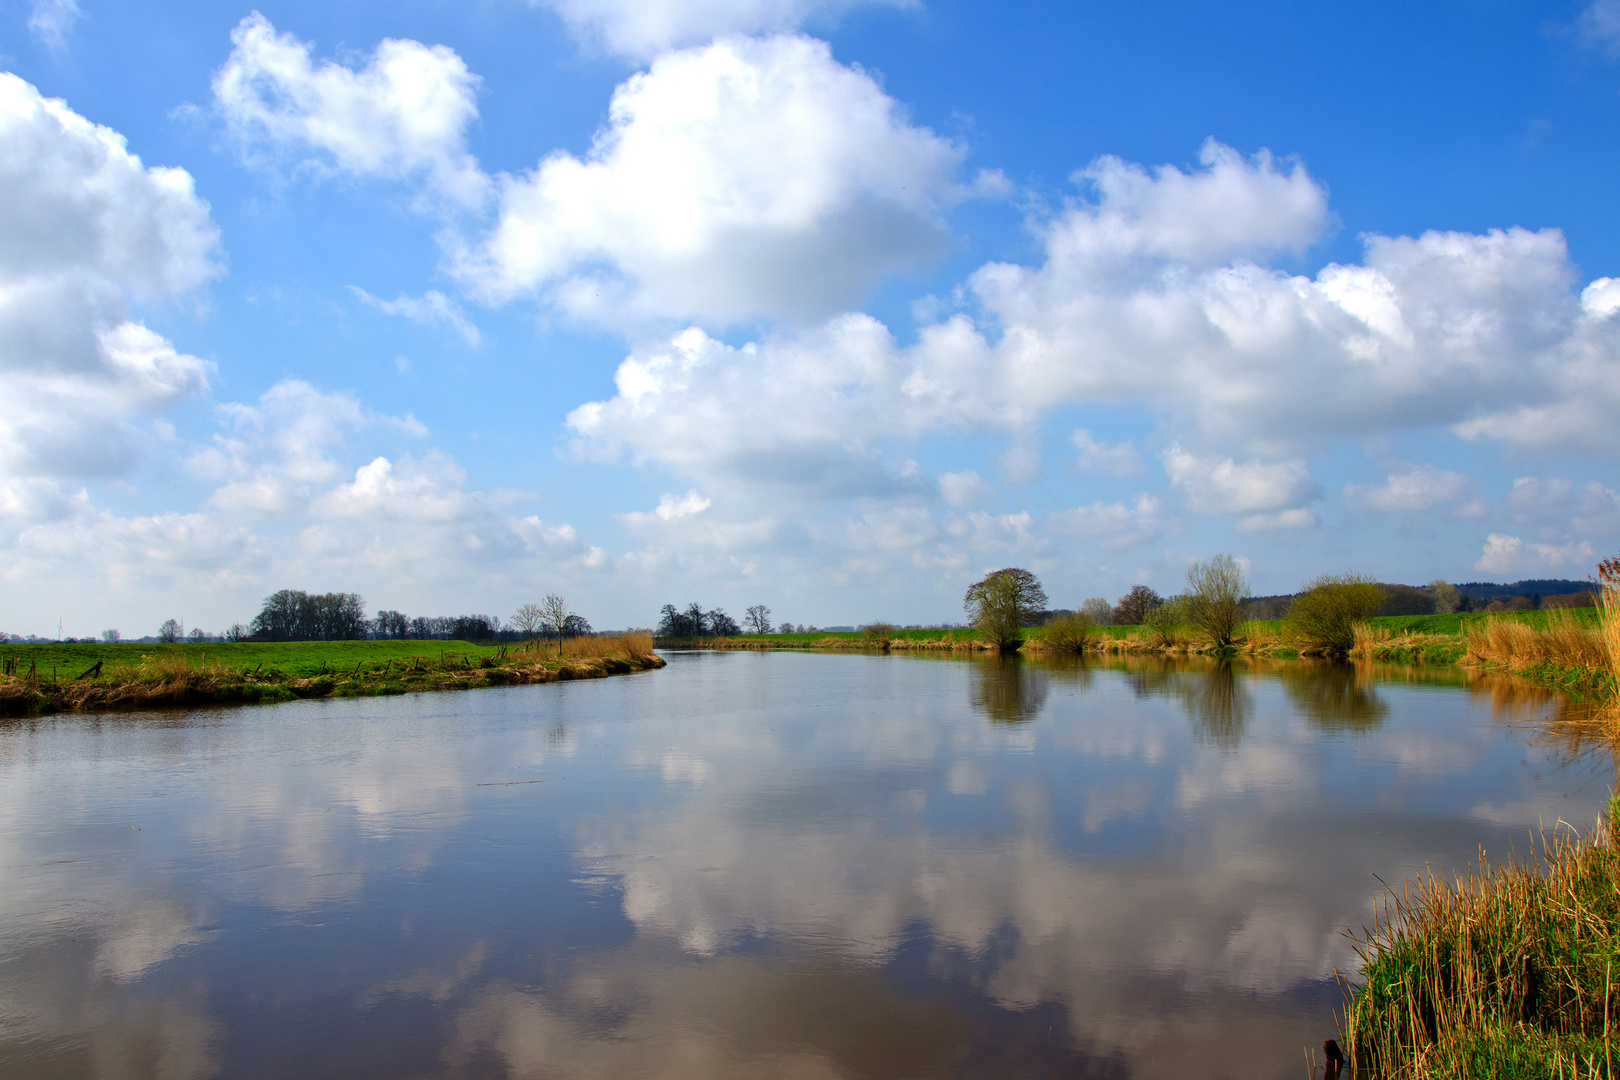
point(1003, 603)
point(1215, 594)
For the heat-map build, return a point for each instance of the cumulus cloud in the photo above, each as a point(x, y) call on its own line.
point(961, 488)
point(275, 455)
point(432, 308)
point(1505, 554)
point(643, 28)
point(751, 177)
point(1113, 525)
point(87, 228)
point(1414, 488)
point(1557, 504)
point(1120, 459)
point(1134, 303)
point(404, 115)
point(1224, 486)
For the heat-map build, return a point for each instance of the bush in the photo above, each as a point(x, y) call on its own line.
point(1215, 593)
point(1163, 621)
point(1323, 616)
point(878, 634)
point(1066, 633)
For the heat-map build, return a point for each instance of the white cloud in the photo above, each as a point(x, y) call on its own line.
point(1132, 304)
point(432, 308)
point(1415, 488)
point(425, 490)
point(1120, 459)
point(893, 527)
point(404, 115)
point(87, 229)
point(961, 488)
point(50, 20)
point(1556, 504)
point(1510, 555)
point(1601, 298)
point(643, 28)
point(748, 177)
point(669, 508)
point(1223, 486)
point(1114, 525)
point(991, 532)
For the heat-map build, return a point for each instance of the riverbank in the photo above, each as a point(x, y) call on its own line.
point(1564, 648)
point(42, 679)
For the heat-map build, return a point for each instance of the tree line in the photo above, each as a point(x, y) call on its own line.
point(295, 615)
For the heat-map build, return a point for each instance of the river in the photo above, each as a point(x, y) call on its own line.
point(748, 865)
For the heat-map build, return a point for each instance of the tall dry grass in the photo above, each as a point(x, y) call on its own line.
point(632, 645)
point(1563, 642)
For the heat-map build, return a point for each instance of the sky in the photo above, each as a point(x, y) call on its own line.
point(827, 305)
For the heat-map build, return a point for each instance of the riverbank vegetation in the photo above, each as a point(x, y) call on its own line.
point(37, 679)
point(1512, 970)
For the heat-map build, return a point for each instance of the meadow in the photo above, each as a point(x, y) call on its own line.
point(50, 678)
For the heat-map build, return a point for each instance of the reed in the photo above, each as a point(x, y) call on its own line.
point(1561, 642)
point(1509, 971)
point(632, 645)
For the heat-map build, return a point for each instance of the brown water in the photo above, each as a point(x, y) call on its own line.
point(746, 865)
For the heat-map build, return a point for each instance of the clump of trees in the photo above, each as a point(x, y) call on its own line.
point(1004, 602)
point(1133, 607)
point(695, 622)
point(1214, 601)
point(295, 615)
point(1323, 616)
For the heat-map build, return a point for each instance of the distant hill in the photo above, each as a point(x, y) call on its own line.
point(1534, 587)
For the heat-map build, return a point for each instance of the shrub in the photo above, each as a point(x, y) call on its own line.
point(1215, 592)
point(1163, 621)
point(1066, 633)
point(1323, 616)
point(878, 634)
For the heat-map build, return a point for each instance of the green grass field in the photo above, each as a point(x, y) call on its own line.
point(295, 659)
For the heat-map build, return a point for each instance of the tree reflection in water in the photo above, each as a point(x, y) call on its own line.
point(1334, 697)
point(1006, 690)
point(1217, 702)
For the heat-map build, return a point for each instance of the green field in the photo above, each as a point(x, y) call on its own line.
point(48, 678)
point(294, 659)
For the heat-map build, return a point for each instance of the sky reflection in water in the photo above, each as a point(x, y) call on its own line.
point(747, 865)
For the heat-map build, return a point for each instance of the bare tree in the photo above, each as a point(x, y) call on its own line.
point(109, 636)
point(529, 619)
point(555, 610)
point(169, 631)
point(196, 636)
point(758, 619)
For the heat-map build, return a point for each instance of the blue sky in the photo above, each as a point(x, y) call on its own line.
point(831, 306)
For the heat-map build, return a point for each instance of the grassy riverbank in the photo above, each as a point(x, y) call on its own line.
point(1565, 648)
point(36, 679)
point(1511, 971)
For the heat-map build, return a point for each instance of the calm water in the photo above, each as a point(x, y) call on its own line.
point(744, 865)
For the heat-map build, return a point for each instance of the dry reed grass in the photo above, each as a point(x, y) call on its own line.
point(632, 644)
point(1563, 642)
